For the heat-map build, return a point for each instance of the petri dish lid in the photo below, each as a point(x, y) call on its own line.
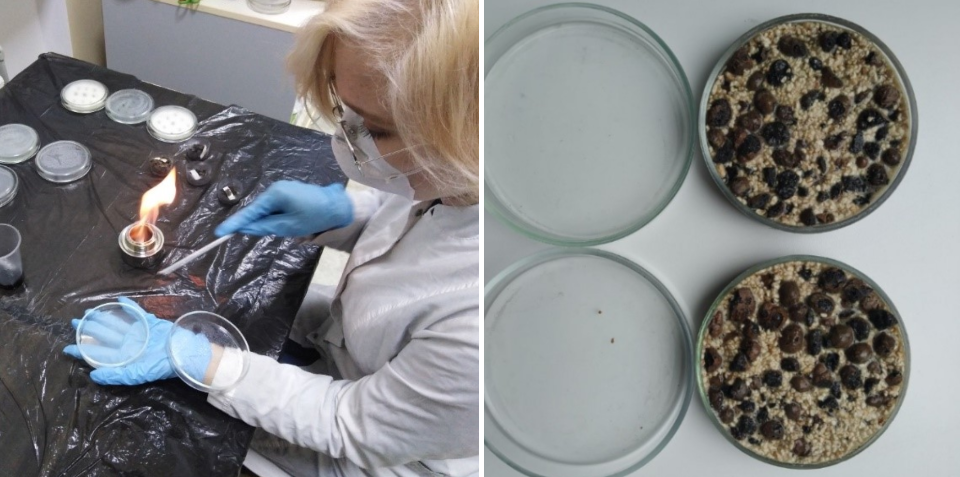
point(587, 367)
point(63, 161)
point(172, 123)
point(18, 143)
point(129, 106)
point(593, 124)
point(8, 185)
point(112, 335)
point(191, 336)
point(84, 96)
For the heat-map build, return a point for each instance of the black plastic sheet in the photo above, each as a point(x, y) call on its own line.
point(53, 419)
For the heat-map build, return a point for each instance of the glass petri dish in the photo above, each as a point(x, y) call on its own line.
point(129, 106)
point(172, 123)
point(9, 183)
point(84, 96)
point(112, 335)
point(587, 368)
point(735, 283)
point(589, 130)
point(63, 161)
point(183, 344)
point(18, 143)
point(269, 7)
point(901, 77)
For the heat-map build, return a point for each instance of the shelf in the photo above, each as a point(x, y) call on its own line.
point(300, 11)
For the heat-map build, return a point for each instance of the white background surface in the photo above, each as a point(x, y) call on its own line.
point(909, 245)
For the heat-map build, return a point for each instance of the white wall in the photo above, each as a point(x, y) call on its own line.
point(31, 27)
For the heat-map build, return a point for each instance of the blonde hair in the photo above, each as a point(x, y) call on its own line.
point(429, 53)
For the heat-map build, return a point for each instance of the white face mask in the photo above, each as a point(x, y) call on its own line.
point(378, 174)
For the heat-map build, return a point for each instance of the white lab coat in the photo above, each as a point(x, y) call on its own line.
point(403, 332)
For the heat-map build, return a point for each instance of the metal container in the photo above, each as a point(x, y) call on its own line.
point(141, 251)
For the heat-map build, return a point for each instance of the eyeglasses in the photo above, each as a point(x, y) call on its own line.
point(350, 134)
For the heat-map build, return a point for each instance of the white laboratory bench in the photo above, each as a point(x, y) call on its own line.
point(909, 245)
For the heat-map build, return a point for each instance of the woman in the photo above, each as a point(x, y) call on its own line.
point(400, 335)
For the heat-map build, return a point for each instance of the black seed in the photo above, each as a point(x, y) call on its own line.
point(724, 154)
point(851, 377)
point(814, 342)
point(759, 201)
point(773, 378)
point(787, 182)
point(815, 63)
point(776, 210)
point(872, 59)
point(753, 441)
point(785, 114)
point(835, 389)
point(749, 148)
point(886, 96)
point(853, 184)
point(869, 118)
point(823, 197)
point(828, 41)
point(764, 101)
point(790, 364)
point(844, 41)
point(805, 273)
point(881, 133)
point(720, 113)
point(856, 144)
point(861, 329)
point(739, 363)
point(748, 406)
point(891, 156)
point(807, 429)
point(776, 134)
point(739, 62)
point(869, 384)
point(770, 175)
point(862, 200)
point(737, 390)
point(832, 279)
point(803, 191)
point(832, 143)
point(831, 360)
point(763, 415)
point(882, 319)
point(822, 164)
point(746, 426)
point(755, 81)
point(778, 73)
point(810, 98)
point(872, 150)
point(772, 430)
point(808, 217)
point(829, 79)
point(821, 303)
point(836, 190)
point(861, 96)
point(829, 403)
point(792, 46)
point(877, 175)
point(838, 107)
point(895, 115)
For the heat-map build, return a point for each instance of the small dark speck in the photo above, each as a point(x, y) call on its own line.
point(611, 340)
point(599, 312)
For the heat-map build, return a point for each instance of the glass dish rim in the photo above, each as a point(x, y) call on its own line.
point(493, 288)
point(127, 119)
point(672, 62)
point(13, 160)
point(141, 319)
point(698, 365)
point(92, 107)
point(161, 136)
point(799, 18)
point(79, 173)
point(199, 385)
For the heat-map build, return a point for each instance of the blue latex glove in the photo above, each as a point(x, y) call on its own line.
point(292, 209)
point(154, 364)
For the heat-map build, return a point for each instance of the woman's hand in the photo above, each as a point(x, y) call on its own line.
point(292, 209)
point(154, 364)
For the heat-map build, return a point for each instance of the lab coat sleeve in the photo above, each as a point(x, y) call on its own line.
point(422, 405)
point(365, 204)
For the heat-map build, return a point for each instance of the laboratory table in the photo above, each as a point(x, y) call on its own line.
point(53, 419)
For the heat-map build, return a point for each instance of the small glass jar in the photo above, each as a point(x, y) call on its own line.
point(269, 7)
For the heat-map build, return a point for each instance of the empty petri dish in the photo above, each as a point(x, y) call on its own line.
point(84, 96)
point(129, 106)
point(63, 161)
point(270, 7)
point(18, 143)
point(8, 185)
point(590, 124)
point(587, 367)
point(172, 123)
point(200, 338)
point(112, 335)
